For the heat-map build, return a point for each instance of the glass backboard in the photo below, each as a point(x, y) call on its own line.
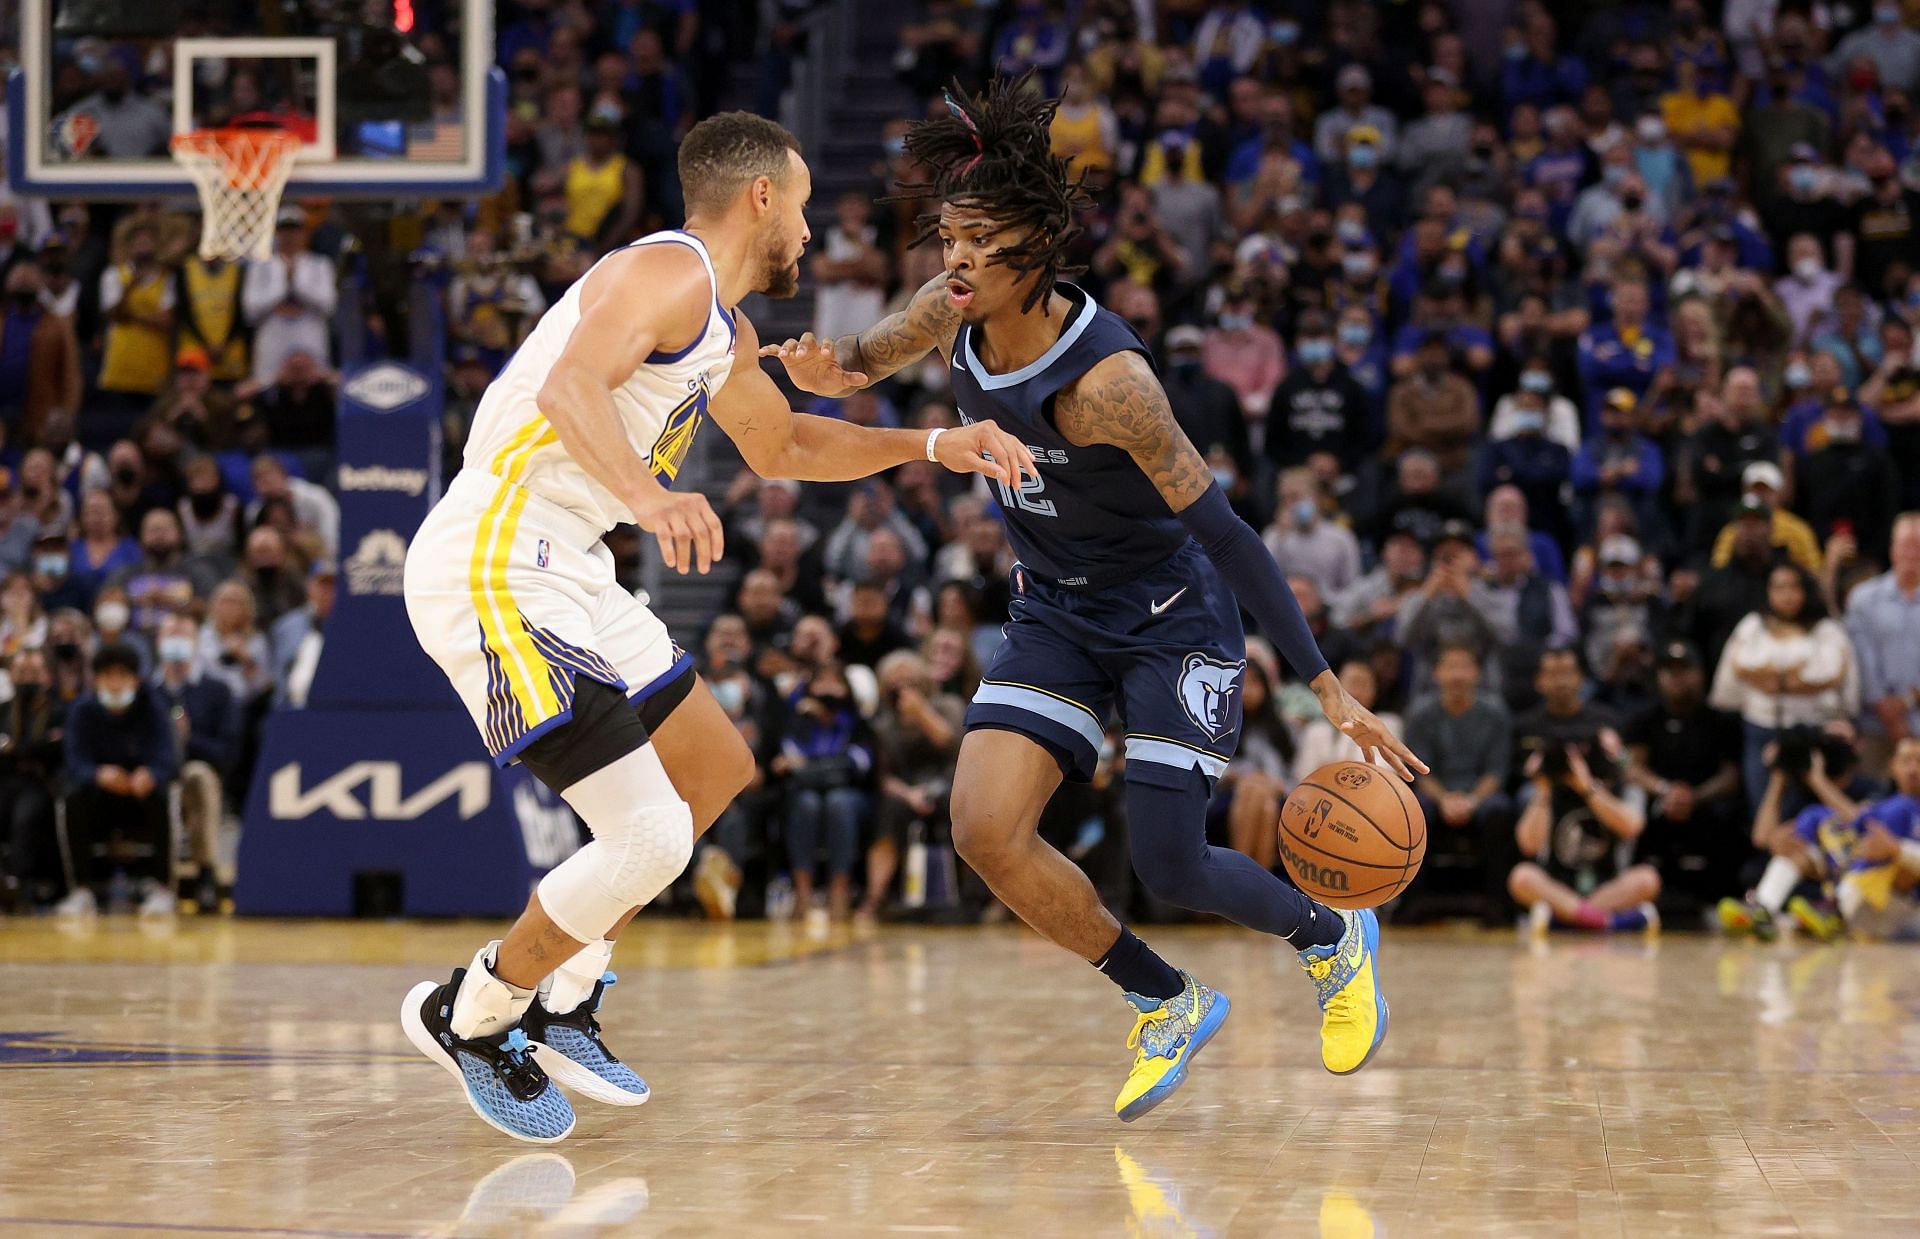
point(392, 98)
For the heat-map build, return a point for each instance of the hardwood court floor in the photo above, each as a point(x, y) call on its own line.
point(250, 1078)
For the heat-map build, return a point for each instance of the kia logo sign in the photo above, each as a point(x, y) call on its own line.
point(385, 386)
point(373, 789)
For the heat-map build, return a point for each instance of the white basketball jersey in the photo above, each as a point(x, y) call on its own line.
point(662, 404)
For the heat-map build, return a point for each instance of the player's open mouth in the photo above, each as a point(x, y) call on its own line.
point(961, 295)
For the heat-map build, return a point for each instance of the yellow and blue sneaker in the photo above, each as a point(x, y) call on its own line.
point(1820, 921)
point(1353, 1010)
point(1166, 1035)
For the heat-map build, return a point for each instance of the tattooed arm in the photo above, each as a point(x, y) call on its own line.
point(1120, 403)
point(836, 367)
point(776, 442)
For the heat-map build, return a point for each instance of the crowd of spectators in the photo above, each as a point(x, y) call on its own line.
point(168, 529)
point(1566, 358)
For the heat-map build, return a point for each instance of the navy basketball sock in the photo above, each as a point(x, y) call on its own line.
point(1167, 832)
point(1132, 965)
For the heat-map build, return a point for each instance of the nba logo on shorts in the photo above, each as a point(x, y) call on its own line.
point(541, 554)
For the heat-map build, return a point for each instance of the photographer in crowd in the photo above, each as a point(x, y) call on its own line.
point(1580, 819)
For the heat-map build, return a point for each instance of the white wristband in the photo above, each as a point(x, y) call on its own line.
point(933, 434)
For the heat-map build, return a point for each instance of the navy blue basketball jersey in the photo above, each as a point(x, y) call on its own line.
point(1092, 518)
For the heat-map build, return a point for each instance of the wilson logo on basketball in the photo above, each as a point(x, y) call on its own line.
point(1309, 871)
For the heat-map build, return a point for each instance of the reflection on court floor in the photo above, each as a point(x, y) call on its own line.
point(248, 1077)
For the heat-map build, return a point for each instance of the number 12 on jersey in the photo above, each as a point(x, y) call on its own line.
point(1027, 497)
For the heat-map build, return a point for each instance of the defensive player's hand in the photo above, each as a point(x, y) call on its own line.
point(813, 367)
point(690, 534)
point(985, 448)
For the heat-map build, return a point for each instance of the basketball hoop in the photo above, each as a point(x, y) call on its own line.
point(240, 174)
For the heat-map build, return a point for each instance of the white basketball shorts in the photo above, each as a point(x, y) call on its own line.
point(515, 598)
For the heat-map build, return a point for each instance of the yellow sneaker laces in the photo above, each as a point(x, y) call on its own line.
point(1140, 1023)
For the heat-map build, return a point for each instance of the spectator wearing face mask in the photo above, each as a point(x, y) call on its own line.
point(1553, 416)
point(1305, 542)
point(1807, 291)
point(1433, 409)
point(1359, 178)
point(167, 578)
point(1245, 354)
point(113, 625)
point(208, 728)
point(39, 356)
point(1318, 407)
point(1850, 491)
point(1662, 165)
point(1889, 43)
point(1207, 409)
point(1333, 130)
point(121, 756)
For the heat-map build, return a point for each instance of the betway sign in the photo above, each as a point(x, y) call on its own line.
point(373, 789)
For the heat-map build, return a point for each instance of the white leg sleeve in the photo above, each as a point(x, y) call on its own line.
point(642, 840)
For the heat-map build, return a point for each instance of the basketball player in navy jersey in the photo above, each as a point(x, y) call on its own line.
point(1132, 569)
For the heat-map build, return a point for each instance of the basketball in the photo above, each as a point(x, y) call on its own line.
point(1352, 835)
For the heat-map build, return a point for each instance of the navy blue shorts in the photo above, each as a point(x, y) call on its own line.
point(1165, 649)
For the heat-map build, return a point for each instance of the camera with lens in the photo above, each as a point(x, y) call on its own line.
point(1794, 750)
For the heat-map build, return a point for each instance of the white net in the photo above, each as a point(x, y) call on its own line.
point(240, 174)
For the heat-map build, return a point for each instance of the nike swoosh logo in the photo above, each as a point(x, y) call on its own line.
point(1357, 954)
point(1157, 607)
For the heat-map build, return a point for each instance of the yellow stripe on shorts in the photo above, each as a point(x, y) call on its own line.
point(527, 674)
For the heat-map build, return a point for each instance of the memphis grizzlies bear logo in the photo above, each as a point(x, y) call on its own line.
point(1206, 690)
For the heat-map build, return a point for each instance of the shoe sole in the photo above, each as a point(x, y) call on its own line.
point(1380, 1037)
point(1209, 1025)
point(423, 1041)
point(564, 1071)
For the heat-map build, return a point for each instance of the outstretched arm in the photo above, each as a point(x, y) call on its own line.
point(1120, 403)
point(836, 367)
point(618, 330)
point(776, 442)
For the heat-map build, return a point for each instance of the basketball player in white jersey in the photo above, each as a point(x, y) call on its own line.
point(512, 592)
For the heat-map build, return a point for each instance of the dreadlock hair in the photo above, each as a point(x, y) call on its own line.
point(993, 153)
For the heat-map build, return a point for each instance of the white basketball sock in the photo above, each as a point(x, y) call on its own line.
point(572, 983)
point(486, 1006)
point(1776, 884)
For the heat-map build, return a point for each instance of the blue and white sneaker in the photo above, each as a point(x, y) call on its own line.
point(1346, 979)
point(570, 1049)
point(498, 1074)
